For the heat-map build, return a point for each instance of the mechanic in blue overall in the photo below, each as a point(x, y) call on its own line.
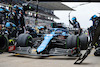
point(31, 31)
point(90, 31)
point(21, 21)
point(95, 21)
point(18, 19)
point(76, 25)
point(10, 30)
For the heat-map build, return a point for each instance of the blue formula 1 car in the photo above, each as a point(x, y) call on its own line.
point(57, 43)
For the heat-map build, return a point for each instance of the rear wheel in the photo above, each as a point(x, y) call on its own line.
point(83, 41)
point(3, 43)
point(71, 41)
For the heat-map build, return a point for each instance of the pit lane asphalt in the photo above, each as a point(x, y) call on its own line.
point(9, 60)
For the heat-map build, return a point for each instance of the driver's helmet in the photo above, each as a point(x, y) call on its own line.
point(41, 27)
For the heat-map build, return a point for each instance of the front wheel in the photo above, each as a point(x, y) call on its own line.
point(24, 40)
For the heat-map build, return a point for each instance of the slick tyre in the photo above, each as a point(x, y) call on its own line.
point(3, 43)
point(24, 40)
point(71, 41)
point(83, 41)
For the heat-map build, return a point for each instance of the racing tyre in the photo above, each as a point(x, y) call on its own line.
point(24, 40)
point(3, 43)
point(68, 42)
point(96, 53)
point(71, 41)
point(75, 42)
point(83, 41)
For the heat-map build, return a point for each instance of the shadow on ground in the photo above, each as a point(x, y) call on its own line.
point(46, 58)
point(84, 64)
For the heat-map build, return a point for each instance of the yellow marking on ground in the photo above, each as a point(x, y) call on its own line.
point(91, 55)
point(93, 48)
point(51, 56)
point(17, 54)
point(34, 50)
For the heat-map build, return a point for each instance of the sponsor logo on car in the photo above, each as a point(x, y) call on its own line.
point(11, 48)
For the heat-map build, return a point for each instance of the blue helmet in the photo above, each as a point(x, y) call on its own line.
point(20, 8)
point(74, 18)
point(15, 6)
point(8, 24)
point(13, 25)
point(94, 16)
point(40, 27)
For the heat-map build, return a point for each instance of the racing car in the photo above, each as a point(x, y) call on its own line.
point(57, 43)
